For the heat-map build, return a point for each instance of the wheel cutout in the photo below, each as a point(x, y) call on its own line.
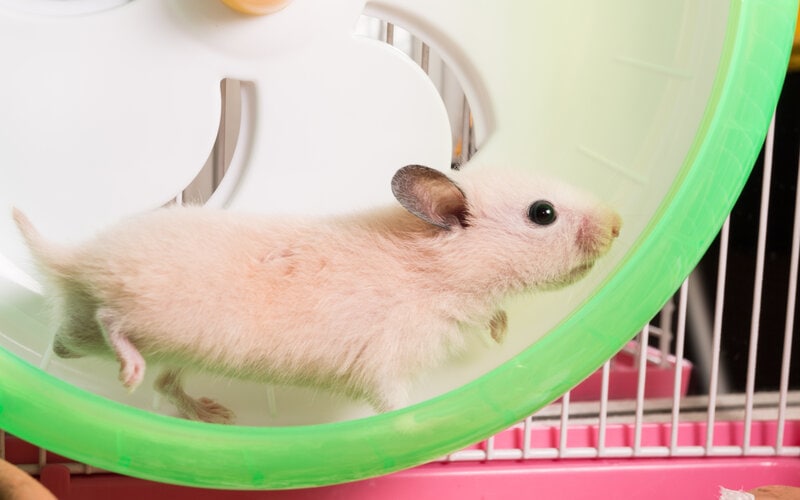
point(217, 167)
point(465, 141)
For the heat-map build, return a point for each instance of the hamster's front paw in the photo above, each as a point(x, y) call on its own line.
point(498, 326)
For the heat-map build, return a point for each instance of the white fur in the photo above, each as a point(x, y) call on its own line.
point(358, 304)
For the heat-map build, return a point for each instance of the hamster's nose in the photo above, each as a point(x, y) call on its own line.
point(598, 230)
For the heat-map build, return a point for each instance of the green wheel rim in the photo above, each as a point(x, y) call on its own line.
point(51, 413)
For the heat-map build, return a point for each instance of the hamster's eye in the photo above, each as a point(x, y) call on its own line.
point(542, 213)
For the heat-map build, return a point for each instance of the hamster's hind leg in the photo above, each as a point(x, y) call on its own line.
point(131, 362)
point(62, 348)
point(79, 333)
point(78, 336)
point(170, 384)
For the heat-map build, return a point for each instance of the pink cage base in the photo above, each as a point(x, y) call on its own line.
point(654, 479)
point(564, 479)
point(623, 378)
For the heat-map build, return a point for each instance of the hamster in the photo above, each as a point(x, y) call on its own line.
point(357, 304)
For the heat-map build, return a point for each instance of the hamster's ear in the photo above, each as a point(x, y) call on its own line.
point(431, 196)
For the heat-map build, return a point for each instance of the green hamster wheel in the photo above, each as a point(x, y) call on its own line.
point(659, 107)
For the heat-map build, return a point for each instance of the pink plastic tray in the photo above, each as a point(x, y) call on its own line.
point(623, 378)
point(565, 479)
point(622, 479)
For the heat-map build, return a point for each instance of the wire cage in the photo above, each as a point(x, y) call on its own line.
point(705, 397)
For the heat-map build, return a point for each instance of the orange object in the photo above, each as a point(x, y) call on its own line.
point(777, 492)
point(794, 60)
point(17, 485)
point(256, 7)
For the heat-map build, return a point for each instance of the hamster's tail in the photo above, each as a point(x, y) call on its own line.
point(47, 255)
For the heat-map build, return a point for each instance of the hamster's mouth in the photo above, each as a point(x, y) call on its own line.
point(579, 272)
point(573, 275)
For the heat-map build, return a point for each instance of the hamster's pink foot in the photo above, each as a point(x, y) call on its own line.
point(170, 384)
point(131, 362)
point(208, 410)
point(131, 370)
